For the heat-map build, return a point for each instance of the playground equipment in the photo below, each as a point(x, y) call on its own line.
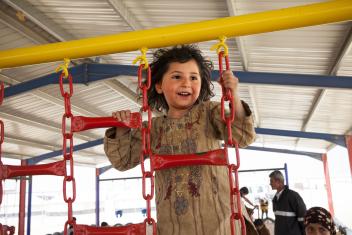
point(332, 11)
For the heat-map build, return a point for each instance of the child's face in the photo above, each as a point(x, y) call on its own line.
point(316, 229)
point(181, 86)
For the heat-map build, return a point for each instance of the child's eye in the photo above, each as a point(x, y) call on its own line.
point(194, 78)
point(176, 77)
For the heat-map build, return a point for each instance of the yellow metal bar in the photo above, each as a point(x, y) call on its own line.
point(288, 18)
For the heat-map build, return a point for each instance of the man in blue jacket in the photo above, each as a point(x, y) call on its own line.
point(288, 207)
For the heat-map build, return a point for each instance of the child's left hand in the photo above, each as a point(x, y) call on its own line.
point(230, 81)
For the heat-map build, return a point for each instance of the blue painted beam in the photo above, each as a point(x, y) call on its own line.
point(257, 170)
point(104, 169)
point(285, 79)
point(35, 160)
point(336, 139)
point(77, 72)
point(316, 156)
point(86, 73)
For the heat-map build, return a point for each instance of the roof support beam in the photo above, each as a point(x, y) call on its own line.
point(344, 50)
point(123, 90)
point(316, 156)
point(337, 139)
point(78, 147)
point(30, 121)
point(14, 24)
point(7, 80)
point(87, 73)
point(310, 135)
point(40, 19)
point(30, 143)
point(60, 33)
point(120, 7)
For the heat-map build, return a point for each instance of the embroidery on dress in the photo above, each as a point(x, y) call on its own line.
point(194, 181)
point(189, 125)
point(190, 145)
point(181, 205)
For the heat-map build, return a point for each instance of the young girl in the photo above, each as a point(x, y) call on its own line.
point(192, 199)
point(318, 221)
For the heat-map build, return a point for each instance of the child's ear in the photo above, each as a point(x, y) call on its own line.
point(158, 88)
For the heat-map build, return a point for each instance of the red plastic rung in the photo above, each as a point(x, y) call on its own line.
point(80, 123)
point(214, 157)
point(132, 229)
point(55, 168)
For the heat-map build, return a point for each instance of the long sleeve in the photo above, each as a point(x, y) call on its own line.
point(300, 208)
point(123, 149)
point(242, 129)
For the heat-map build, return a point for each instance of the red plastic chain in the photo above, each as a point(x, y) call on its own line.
point(232, 168)
point(1, 137)
point(67, 151)
point(4, 229)
point(2, 91)
point(7, 230)
point(146, 150)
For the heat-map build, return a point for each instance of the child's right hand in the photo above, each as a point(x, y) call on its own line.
point(122, 116)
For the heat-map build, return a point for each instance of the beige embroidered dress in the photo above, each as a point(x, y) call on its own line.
point(189, 200)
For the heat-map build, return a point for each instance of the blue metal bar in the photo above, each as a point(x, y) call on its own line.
point(282, 79)
point(98, 72)
point(277, 150)
point(53, 78)
point(104, 169)
point(286, 174)
point(125, 178)
point(29, 207)
point(336, 139)
point(56, 153)
point(86, 73)
point(240, 171)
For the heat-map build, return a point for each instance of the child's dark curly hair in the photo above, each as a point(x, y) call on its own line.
point(183, 53)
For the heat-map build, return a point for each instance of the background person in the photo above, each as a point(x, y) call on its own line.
point(288, 206)
point(318, 221)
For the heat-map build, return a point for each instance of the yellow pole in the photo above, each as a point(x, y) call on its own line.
point(288, 18)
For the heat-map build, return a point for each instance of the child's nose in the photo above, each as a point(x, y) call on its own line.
point(186, 82)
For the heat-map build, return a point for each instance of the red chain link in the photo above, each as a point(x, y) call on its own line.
point(67, 151)
point(4, 229)
point(232, 168)
point(7, 230)
point(2, 91)
point(146, 150)
point(2, 129)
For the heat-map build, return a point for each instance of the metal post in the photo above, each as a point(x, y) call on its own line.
point(29, 207)
point(349, 149)
point(286, 174)
point(22, 202)
point(327, 182)
point(97, 197)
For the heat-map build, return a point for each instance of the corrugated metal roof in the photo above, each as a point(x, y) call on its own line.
point(33, 119)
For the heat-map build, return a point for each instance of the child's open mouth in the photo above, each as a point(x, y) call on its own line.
point(184, 93)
